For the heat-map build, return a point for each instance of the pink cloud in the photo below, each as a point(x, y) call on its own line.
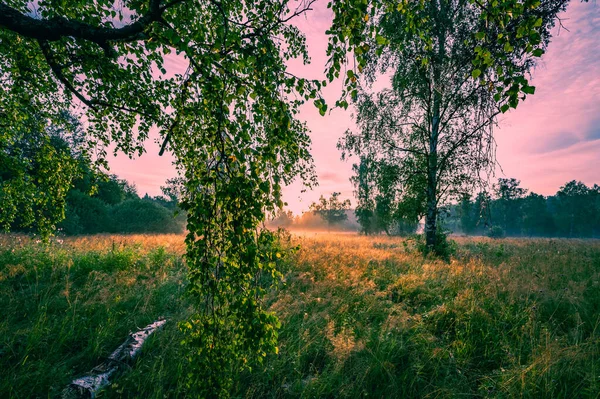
point(548, 139)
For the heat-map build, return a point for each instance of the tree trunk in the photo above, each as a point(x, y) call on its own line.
point(431, 217)
point(89, 385)
point(432, 159)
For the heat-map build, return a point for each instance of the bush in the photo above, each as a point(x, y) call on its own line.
point(444, 248)
point(495, 232)
point(85, 215)
point(141, 216)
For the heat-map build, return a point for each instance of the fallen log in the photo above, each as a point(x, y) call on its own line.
point(100, 376)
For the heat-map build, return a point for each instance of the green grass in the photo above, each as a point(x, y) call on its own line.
point(66, 307)
point(361, 317)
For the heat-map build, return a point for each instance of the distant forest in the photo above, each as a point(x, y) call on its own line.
point(95, 202)
point(100, 203)
point(506, 210)
point(107, 204)
point(574, 211)
point(112, 205)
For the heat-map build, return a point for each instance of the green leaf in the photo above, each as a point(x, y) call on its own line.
point(538, 52)
point(476, 73)
point(504, 108)
point(529, 89)
point(323, 110)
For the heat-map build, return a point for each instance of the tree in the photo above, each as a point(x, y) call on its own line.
point(38, 164)
point(228, 117)
point(364, 187)
point(468, 217)
point(457, 64)
point(143, 216)
point(331, 210)
point(86, 214)
point(507, 207)
point(174, 189)
point(112, 190)
point(537, 220)
point(283, 219)
point(576, 211)
point(382, 206)
point(595, 205)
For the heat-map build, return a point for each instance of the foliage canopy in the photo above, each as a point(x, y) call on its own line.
point(228, 117)
point(331, 209)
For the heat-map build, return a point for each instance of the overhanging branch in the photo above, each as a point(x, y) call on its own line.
point(58, 27)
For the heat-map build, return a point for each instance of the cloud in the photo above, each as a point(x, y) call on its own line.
point(593, 132)
point(548, 139)
point(331, 177)
point(557, 142)
point(563, 140)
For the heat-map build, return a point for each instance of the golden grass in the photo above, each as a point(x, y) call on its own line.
point(361, 317)
point(504, 318)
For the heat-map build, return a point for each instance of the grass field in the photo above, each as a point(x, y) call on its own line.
point(361, 317)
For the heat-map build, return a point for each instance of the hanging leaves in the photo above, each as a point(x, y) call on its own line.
point(229, 117)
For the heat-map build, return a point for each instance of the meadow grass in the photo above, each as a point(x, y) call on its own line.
point(65, 306)
point(370, 317)
point(361, 317)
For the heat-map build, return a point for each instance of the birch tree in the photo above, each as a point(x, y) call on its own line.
point(454, 66)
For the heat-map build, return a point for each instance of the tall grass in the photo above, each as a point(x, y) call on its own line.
point(361, 317)
point(66, 306)
point(369, 317)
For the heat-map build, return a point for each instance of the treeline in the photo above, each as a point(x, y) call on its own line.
point(574, 211)
point(111, 205)
point(506, 210)
point(330, 213)
point(100, 203)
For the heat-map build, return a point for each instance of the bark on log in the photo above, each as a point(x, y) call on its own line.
point(100, 376)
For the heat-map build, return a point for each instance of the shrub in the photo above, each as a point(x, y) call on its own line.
point(495, 232)
point(142, 216)
point(85, 215)
point(444, 248)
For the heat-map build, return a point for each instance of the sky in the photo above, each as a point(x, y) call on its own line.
point(551, 138)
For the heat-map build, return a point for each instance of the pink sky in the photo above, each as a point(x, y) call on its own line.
point(551, 138)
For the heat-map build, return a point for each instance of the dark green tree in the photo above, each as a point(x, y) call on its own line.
point(331, 209)
point(506, 210)
point(143, 216)
point(38, 165)
point(475, 216)
point(537, 219)
point(86, 214)
point(468, 215)
point(576, 210)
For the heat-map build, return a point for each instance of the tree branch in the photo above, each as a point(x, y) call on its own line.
point(57, 70)
point(91, 103)
point(56, 28)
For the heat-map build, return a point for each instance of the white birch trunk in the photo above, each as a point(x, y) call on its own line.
point(100, 376)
